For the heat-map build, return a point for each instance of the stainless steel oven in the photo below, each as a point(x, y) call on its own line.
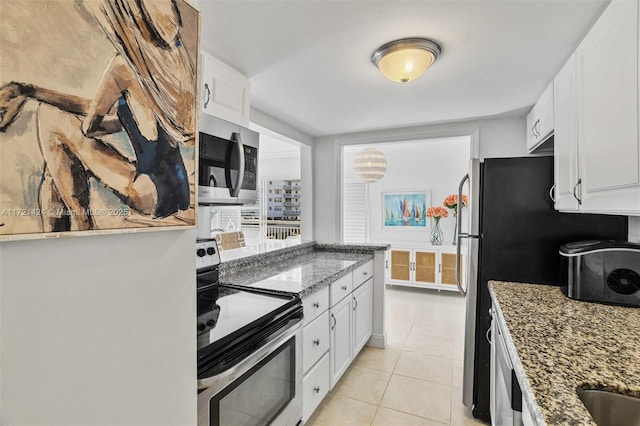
point(264, 388)
point(249, 351)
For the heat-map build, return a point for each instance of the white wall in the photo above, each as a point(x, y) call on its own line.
point(501, 137)
point(98, 330)
point(434, 165)
point(280, 168)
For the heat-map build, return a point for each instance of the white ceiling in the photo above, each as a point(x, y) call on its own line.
point(309, 61)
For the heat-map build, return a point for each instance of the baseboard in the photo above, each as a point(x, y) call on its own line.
point(377, 341)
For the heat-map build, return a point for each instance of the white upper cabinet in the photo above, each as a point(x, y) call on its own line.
point(565, 144)
point(596, 145)
point(609, 161)
point(225, 92)
point(540, 120)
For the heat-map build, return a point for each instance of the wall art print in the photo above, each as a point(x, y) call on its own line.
point(405, 210)
point(97, 116)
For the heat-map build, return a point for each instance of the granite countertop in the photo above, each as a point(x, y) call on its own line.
point(558, 345)
point(301, 270)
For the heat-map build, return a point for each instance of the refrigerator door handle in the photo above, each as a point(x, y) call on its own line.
point(461, 235)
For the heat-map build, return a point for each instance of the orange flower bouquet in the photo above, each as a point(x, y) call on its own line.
point(451, 202)
point(437, 213)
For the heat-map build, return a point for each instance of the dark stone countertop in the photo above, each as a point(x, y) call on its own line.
point(558, 345)
point(301, 270)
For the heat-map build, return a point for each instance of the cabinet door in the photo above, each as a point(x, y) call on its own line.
point(340, 330)
point(532, 121)
point(315, 340)
point(226, 92)
point(425, 267)
point(362, 315)
point(448, 268)
point(565, 139)
point(608, 112)
point(315, 386)
point(544, 108)
point(400, 265)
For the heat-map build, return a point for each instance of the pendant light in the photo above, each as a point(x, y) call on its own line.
point(406, 59)
point(370, 165)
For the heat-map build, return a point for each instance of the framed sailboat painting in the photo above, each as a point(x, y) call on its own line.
point(405, 210)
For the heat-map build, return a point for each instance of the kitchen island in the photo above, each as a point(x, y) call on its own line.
point(558, 345)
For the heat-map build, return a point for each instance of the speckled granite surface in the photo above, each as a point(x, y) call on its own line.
point(353, 248)
point(302, 269)
point(558, 344)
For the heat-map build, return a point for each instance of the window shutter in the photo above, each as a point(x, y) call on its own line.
point(353, 212)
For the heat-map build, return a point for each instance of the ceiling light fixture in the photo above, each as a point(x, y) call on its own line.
point(406, 59)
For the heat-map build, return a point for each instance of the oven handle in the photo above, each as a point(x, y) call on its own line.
point(216, 383)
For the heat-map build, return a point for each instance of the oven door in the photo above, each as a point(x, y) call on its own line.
point(264, 388)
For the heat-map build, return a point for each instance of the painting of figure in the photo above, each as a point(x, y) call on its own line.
point(97, 115)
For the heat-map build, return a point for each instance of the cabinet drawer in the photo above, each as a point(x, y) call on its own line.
point(315, 340)
point(315, 304)
point(362, 274)
point(315, 386)
point(341, 288)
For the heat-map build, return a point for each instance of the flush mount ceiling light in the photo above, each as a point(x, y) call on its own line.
point(370, 165)
point(406, 59)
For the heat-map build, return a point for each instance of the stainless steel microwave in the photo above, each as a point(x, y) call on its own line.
point(228, 170)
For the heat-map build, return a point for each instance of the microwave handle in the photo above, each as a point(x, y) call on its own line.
point(240, 147)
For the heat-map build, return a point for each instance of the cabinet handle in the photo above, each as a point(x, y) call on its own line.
point(579, 183)
point(208, 92)
point(356, 303)
point(334, 322)
point(316, 342)
point(344, 287)
point(537, 126)
point(316, 389)
point(488, 335)
point(316, 305)
point(365, 273)
point(386, 264)
point(552, 193)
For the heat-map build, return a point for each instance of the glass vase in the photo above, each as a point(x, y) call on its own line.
point(436, 233)
point(455, 231)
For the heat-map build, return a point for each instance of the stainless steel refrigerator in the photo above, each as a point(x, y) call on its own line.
point(511, 232)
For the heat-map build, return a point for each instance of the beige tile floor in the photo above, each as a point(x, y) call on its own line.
point(417, 379)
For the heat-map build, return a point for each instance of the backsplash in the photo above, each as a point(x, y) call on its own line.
point(634, 229)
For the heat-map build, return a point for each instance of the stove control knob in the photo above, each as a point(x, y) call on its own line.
point(202, 326)
point(201, 252)
point(211, 251)
point(211, 323)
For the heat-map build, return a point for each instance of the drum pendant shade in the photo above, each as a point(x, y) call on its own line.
point(370, 165)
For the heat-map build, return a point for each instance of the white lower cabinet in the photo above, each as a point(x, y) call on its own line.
point(362, 315)
point(507, 405)
point(315, 340)
point(340, 329)
point(315, 386)
point(338, 322)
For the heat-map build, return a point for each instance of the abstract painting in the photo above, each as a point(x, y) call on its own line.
point(97, 116)
point(405, 209)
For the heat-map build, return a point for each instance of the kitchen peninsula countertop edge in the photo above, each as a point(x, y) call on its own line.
point(319, 265)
